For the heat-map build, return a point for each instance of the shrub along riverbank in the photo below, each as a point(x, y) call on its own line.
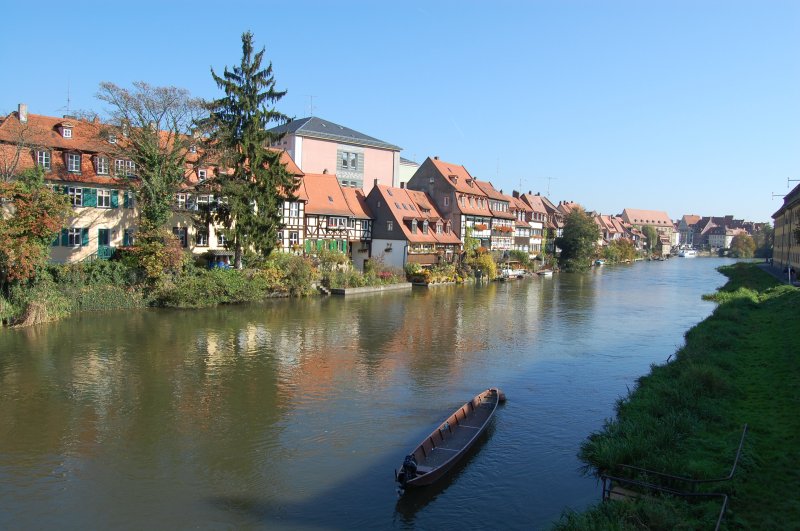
point(741, 365)
point(59, 290)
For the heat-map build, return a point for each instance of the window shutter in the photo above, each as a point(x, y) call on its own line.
point(84, 237)
point(114, 199)
point(90, 197)
point(56, 241)
point(125, 201)
point(308, 245)
point(64, 237)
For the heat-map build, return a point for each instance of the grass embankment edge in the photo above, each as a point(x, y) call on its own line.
point(739, 366)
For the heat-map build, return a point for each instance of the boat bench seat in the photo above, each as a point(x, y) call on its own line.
point(423, 469)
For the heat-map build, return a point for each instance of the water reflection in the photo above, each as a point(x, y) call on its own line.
point(295, 413)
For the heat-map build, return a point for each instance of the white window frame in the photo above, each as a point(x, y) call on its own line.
point(389, 225)
point(75, 194)
point(43, 159)
point(201, 238)
point(74, 237)
point(74, 162)
point(294, 209)
point(101, 165)
point(202, 174)
point(294, 237)
point(67, 132)
point(221, 239)
point(446, 201)
point(103, 198)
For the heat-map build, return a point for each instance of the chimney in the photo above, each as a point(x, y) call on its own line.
point(96, 120)
point(22, 111)
point(402, 185)
point(376, 182)
point(325, 171)
point(436, 157)
point(514, 193)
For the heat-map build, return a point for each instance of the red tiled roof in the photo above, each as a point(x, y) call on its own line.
point(357, 202)
point(411, 206)
point(325, 196)
point(647, 217)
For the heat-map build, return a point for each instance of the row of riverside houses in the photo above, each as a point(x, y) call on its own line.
point(356, 195)
point(714, 232)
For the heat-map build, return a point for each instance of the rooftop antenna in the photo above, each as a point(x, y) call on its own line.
point(548, 185)
point(774, 195)
point(66, 109)
point(310, 104)
point(789, 180)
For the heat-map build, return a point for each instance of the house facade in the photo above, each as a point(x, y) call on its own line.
point(409, 229)
point(322, 147)
point(537, 219)
point(332, 221)
point(786, 252)
point(657, 219)
point(457, 197)
point(503, 221)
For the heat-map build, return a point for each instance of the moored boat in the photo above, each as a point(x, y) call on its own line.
point(687, 253)
point(546, 272)
point(449, 442)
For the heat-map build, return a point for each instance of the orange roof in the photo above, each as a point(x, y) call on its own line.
point(647, 217)
point(458, 177)
point(325, 195)
point(357, 202)
point(411, 206)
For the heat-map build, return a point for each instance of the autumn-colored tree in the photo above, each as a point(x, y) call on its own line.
point(30, 217)
point(743, 246)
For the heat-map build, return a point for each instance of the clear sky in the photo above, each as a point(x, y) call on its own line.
point(691, 107)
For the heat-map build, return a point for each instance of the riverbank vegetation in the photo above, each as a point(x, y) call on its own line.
point(685, 418)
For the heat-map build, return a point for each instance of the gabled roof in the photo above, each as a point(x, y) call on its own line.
point(690, 219)
point(412, 206)
point(568, 206)
point(357, 202)
point(656, 218)
point(457, 177)
point(314, 127)
point(490, 191)
point(535, 202)
point(325, 195)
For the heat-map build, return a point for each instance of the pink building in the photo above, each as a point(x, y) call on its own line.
point(319, 146)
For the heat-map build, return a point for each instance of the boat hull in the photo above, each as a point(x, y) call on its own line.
point(450, 441)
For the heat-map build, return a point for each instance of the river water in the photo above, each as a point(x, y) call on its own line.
point(293, 414)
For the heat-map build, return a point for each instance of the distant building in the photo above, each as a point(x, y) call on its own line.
point(656, 219)
point(407, 170)
point(320, 146)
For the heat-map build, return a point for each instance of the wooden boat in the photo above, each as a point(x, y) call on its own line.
point(448, 443)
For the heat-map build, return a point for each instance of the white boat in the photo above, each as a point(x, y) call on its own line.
point(599, 262)
point(546, 273)
point(687, 253)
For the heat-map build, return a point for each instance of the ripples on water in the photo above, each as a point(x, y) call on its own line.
point(293, 414)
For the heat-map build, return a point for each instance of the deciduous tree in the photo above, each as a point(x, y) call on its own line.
point(31, 216)
point(578, 241)
point(256, 182)
point(653, 242)
point(742, 246)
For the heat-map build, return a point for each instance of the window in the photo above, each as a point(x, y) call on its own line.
point(180, 233)
point(75, 196)
point(414, 226)
point(221, 240)
point(425, 227)
point(201, 238)
point(389, 225)
point(128, 237)
point(438, 228)
point(294, 238)
point(446, 200)
point(103, 237)
point(112, 138)
point(364, 225)
point(101, 165)
point(74, 162)
point(463, 201)
point(67, 132)
point(124, 168)
point(203, 201)
point(201, 174)
point(43, 159)
point(180, 201)
point(104, 198)
point(349, 160)
point(294, 210)
point(336, 222)
point(74, 238)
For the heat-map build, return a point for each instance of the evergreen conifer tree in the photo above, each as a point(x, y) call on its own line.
point(252, 182)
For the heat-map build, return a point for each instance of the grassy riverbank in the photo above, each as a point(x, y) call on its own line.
point(741, 365)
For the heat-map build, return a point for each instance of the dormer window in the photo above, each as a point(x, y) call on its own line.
point(66, 132)
point(112, 138)
point(192, 149)
point(425, 227)
point(454, 178)
point(201, 175)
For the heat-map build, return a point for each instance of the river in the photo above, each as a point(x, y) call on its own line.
point(293, 414)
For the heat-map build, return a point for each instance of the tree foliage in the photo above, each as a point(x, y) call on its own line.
point(31, 216)
point(578, 242)
point(152, 127)
point(620, 250)
point(653, 242)
point(256, 183)
point(743, 246)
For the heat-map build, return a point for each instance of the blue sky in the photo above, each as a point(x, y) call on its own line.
point(681, 106)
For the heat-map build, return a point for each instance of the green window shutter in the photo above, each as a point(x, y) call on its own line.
point(114, 198)
point(90, 197)
point(84, 237)
point(56, 241)
point(64, 237)
point(320, 243)
point(308, 245)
